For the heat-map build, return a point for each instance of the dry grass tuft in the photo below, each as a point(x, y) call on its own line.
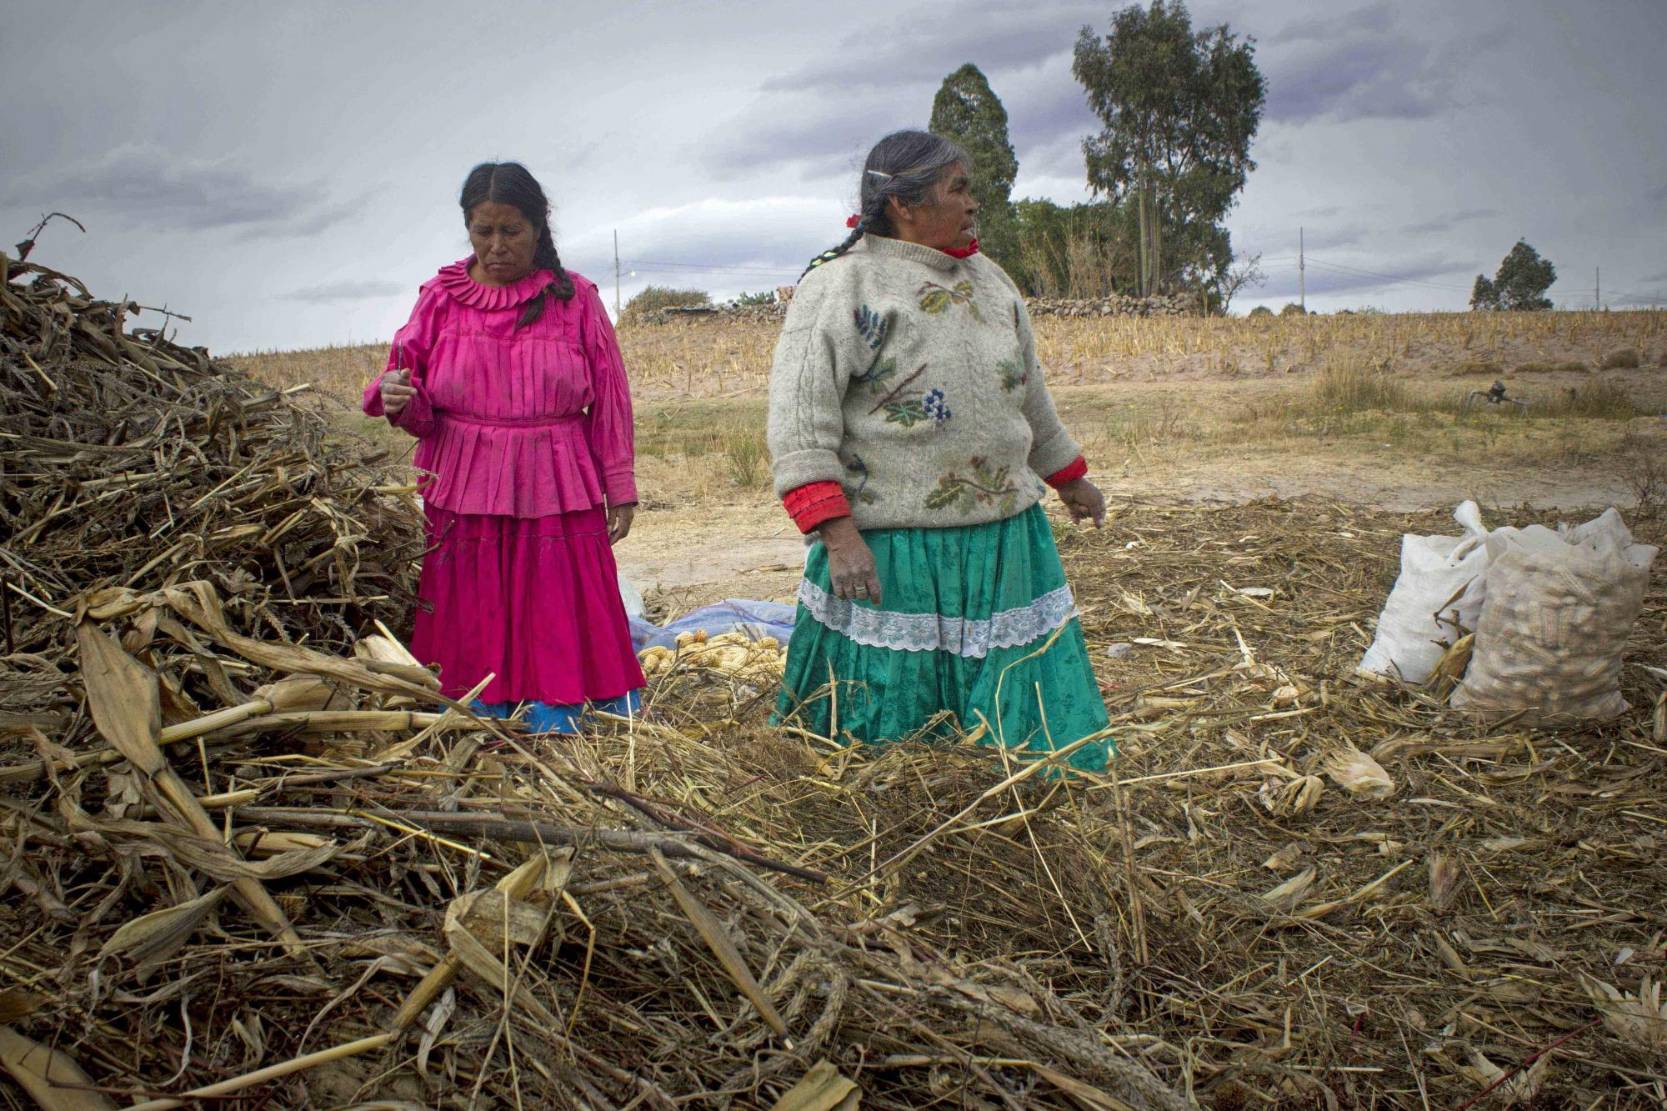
point(1351, 385)
point(1597, 399)
point(1622, 358)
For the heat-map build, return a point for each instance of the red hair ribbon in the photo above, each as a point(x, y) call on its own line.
point(853, 220)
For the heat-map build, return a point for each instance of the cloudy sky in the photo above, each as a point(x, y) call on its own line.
point(287, 173)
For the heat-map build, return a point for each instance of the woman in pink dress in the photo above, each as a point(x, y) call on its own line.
point(509, 376)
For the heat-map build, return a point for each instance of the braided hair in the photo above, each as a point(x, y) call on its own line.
point(510, 183)
point(905, 165)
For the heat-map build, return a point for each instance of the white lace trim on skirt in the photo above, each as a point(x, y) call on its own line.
point(930, 632)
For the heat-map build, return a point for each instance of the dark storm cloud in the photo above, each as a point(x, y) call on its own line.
point(328, 293)
point(819, 138)
point(1376, 78)
point(147, 188)
point(1372, 19)
point(992, 36)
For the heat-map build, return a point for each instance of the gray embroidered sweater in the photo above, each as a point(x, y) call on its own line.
point(910, 377)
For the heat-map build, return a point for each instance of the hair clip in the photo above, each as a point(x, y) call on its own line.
point(880, 173)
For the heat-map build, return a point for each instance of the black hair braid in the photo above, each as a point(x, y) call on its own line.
point(560, 286)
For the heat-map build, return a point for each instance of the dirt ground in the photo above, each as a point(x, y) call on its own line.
point(700, 543)
point(1168, 411)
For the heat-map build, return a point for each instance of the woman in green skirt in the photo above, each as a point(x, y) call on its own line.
point(911, 434)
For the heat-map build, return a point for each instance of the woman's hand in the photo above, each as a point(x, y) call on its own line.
point(1084, 501)
point(397, 392)
point(850, 562)
point(619, 521)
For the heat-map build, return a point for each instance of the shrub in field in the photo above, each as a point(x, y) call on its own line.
point(747, 457)
point(1643, 469)
point(1292, 309)
point(657, 297)
point(1349, 385)
point(1261, 310)
point(1622, 358)
point(1598, 399)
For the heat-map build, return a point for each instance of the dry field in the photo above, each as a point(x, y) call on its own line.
point(1362, 408)
point(249, 857)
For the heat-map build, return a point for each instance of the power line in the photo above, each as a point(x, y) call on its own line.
point(653, 264)
point(1390, 278)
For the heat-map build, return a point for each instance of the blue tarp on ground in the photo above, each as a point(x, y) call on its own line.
point(756, 619)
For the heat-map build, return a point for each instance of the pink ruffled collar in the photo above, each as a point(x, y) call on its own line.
point(455, 280)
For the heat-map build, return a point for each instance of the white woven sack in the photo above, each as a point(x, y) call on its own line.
point(1436, 599)
point(1559, 608)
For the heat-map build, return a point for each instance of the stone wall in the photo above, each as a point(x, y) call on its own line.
point(1176, 304)
point(1179, 304)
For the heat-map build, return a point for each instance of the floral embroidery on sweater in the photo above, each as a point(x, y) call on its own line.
point(859, 470)
point(935, 298)
point(930, 406)
point(987, 486)
point(870, 325)
point(896, 390)
point(934, 405)
point(875, 376)
point(1013, 373)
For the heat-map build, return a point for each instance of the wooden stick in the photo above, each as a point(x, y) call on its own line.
point(241, 721)
point(526, 831)
point(712, 932)
point(270, 1072)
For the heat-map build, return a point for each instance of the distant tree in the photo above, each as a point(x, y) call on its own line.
point(1179, 111)
point(1484, 297)
point(1248, 272)
point(1519, 285)
point(1080, 250)
point(967, 111)
point(762, 297)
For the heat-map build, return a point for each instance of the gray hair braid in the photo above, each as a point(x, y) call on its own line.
point(904, 165)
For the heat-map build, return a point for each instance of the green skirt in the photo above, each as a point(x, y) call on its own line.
point(977, 627)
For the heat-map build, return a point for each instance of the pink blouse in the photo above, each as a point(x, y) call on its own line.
point(513, 422)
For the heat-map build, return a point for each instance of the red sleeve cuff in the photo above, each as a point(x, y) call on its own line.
point(815, 502)
point(1070, 472)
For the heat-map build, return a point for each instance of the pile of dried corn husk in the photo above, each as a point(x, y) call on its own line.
point(129, 460)
point(249, 854)
point(323, 895)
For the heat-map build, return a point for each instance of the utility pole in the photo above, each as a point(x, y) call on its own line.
point(1597, 291)
point(616, 273)
point(1302, 274)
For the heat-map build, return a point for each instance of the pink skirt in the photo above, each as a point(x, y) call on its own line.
point(533, 601)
